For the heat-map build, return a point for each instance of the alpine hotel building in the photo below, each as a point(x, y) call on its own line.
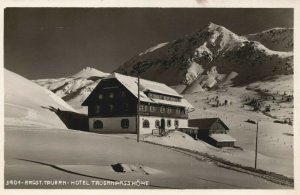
point(112, 106)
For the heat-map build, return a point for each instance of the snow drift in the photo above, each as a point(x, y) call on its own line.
point(24, 101)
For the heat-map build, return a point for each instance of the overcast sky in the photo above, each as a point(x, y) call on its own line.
point(58, 42)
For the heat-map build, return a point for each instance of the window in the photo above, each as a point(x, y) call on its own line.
point(111, 95)
point(122, 94)
point(152, 108)
point(146, 124)
point(183, 111)
point(97, 109)
point(178, 111)
point(157, 123)
point(111, 108)
point(98, 124)
point(126, 107)
point(150, 95)
point(169, 110)
point(169, 123)
point(125, 123)
point(143, 108)
point(100, 96)
point(162, 109)
point(176, 123)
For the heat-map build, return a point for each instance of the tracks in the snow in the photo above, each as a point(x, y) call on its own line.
point(270, 176)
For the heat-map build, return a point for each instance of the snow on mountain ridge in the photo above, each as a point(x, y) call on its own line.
point(269, 30)
point(211, 49)
point(278, 39)
point(89, 72)
point(74, 89)
point(151, 49)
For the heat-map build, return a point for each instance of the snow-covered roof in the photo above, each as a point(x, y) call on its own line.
point(222, 137)
point(205, 123)
point(145, 85)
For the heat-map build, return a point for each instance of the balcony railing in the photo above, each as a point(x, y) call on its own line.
point(165, 114)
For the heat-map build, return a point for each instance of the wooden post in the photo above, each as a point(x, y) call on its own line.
point(138, 108)
point(256, 144)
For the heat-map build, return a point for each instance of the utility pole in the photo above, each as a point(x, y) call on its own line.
point(256, 144)
point(138, 107)
point(256, 139)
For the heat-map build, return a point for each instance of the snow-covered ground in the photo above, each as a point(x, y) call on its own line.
point(275, 140)
point(35, 154)
point(39, 147)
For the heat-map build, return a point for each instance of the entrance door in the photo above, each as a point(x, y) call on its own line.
point(162, 124)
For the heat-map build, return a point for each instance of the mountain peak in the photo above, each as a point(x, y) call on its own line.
point(89, 72)
point(212, 25)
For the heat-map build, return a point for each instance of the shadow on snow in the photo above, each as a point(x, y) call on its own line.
point(72, 120)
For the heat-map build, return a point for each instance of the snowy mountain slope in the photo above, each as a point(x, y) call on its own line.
point(278, 39)
point(23, 101)
point(275, 139)
point(74, 89)
point(207, 58)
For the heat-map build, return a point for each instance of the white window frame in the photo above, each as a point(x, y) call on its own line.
point(169, 110)
point(152, 108)
point(111, 95)
point(157, 123)
point(176, 123)
point(162, 109)
point(97, 109)
point(100, 96)
point(169, 123)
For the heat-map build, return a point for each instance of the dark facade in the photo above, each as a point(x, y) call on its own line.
point(111, 99)
point(209, 126)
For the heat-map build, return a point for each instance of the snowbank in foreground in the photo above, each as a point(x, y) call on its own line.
point(24, 101)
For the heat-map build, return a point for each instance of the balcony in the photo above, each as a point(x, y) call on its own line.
point(165, 114)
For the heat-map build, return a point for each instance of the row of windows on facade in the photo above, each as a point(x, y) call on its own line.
point(143, 108)
point(122, 94)
point(98, 124)
point(163, 97)
point(162, 109)
point(111, 95)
